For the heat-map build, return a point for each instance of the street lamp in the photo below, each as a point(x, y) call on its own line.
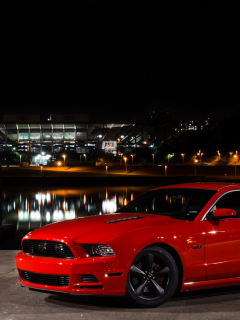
point(182, 154)
point(153, 158)
point(64, 157)
point(20, 158)
point(219, 155)
point(41, 171)
point(196, 161)
point(121, 154)
point(125, 159)
point(200, 156)
point(235, 156)
point(132, 158)
point(106, 170)
point(165, 171)
point(85, 156)
point(168, 157)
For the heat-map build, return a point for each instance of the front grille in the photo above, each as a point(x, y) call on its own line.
point(88, 278)
point(45, 279)
point(44, 248)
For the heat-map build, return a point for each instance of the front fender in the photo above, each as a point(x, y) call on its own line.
point(127, 245)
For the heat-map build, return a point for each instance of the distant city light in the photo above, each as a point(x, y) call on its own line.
point(70, 215)
point(58, 215)
point(48, 216)
point(23, 215)
point(109, 206)
point(35, 216)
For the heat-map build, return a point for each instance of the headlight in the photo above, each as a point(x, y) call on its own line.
point(98, 250)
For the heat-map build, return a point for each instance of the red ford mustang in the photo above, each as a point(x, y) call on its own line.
point(176, 238)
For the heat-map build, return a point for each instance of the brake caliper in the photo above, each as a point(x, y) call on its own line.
point(159, 280)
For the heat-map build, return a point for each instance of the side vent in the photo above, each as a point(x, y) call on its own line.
point(89, 278)
point(125, 219)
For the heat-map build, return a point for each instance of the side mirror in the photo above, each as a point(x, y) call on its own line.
point(223, 213)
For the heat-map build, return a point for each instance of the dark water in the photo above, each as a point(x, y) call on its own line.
point(26, 209)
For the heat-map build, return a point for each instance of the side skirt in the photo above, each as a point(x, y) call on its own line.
point(210, 284)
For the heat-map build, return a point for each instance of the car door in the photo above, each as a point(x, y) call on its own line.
point(222, 239)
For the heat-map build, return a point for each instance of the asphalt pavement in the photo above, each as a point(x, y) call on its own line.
point(17, 303)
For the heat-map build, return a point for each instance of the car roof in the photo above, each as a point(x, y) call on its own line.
point(203, 185)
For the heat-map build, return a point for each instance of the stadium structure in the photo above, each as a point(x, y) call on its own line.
point(69, 132)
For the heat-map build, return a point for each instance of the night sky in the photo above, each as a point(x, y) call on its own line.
point(121, 59)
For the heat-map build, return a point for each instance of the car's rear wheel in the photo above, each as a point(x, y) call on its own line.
point(152, 278)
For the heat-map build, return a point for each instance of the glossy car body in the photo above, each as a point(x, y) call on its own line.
point(206, 251)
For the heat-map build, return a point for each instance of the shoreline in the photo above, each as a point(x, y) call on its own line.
point(110, 181)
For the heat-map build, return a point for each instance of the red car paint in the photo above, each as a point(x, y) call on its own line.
point(215, 263)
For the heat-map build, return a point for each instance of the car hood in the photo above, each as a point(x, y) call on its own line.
point(95, 228)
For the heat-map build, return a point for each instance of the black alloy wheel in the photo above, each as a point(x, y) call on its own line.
point(152, 278)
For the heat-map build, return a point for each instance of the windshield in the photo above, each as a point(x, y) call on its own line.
point(182, 204)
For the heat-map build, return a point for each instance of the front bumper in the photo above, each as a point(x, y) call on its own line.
point(106, 269)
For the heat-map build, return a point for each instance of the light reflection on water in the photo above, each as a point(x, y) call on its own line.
point(24, 210)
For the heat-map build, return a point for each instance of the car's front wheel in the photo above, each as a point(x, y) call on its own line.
point(152, 278)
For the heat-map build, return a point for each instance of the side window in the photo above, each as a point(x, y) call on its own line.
point(230, 201)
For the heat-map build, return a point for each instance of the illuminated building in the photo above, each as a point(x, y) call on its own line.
point(41, 138)
point(181, 126)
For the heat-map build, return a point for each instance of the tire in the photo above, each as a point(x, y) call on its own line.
point(152, 278)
